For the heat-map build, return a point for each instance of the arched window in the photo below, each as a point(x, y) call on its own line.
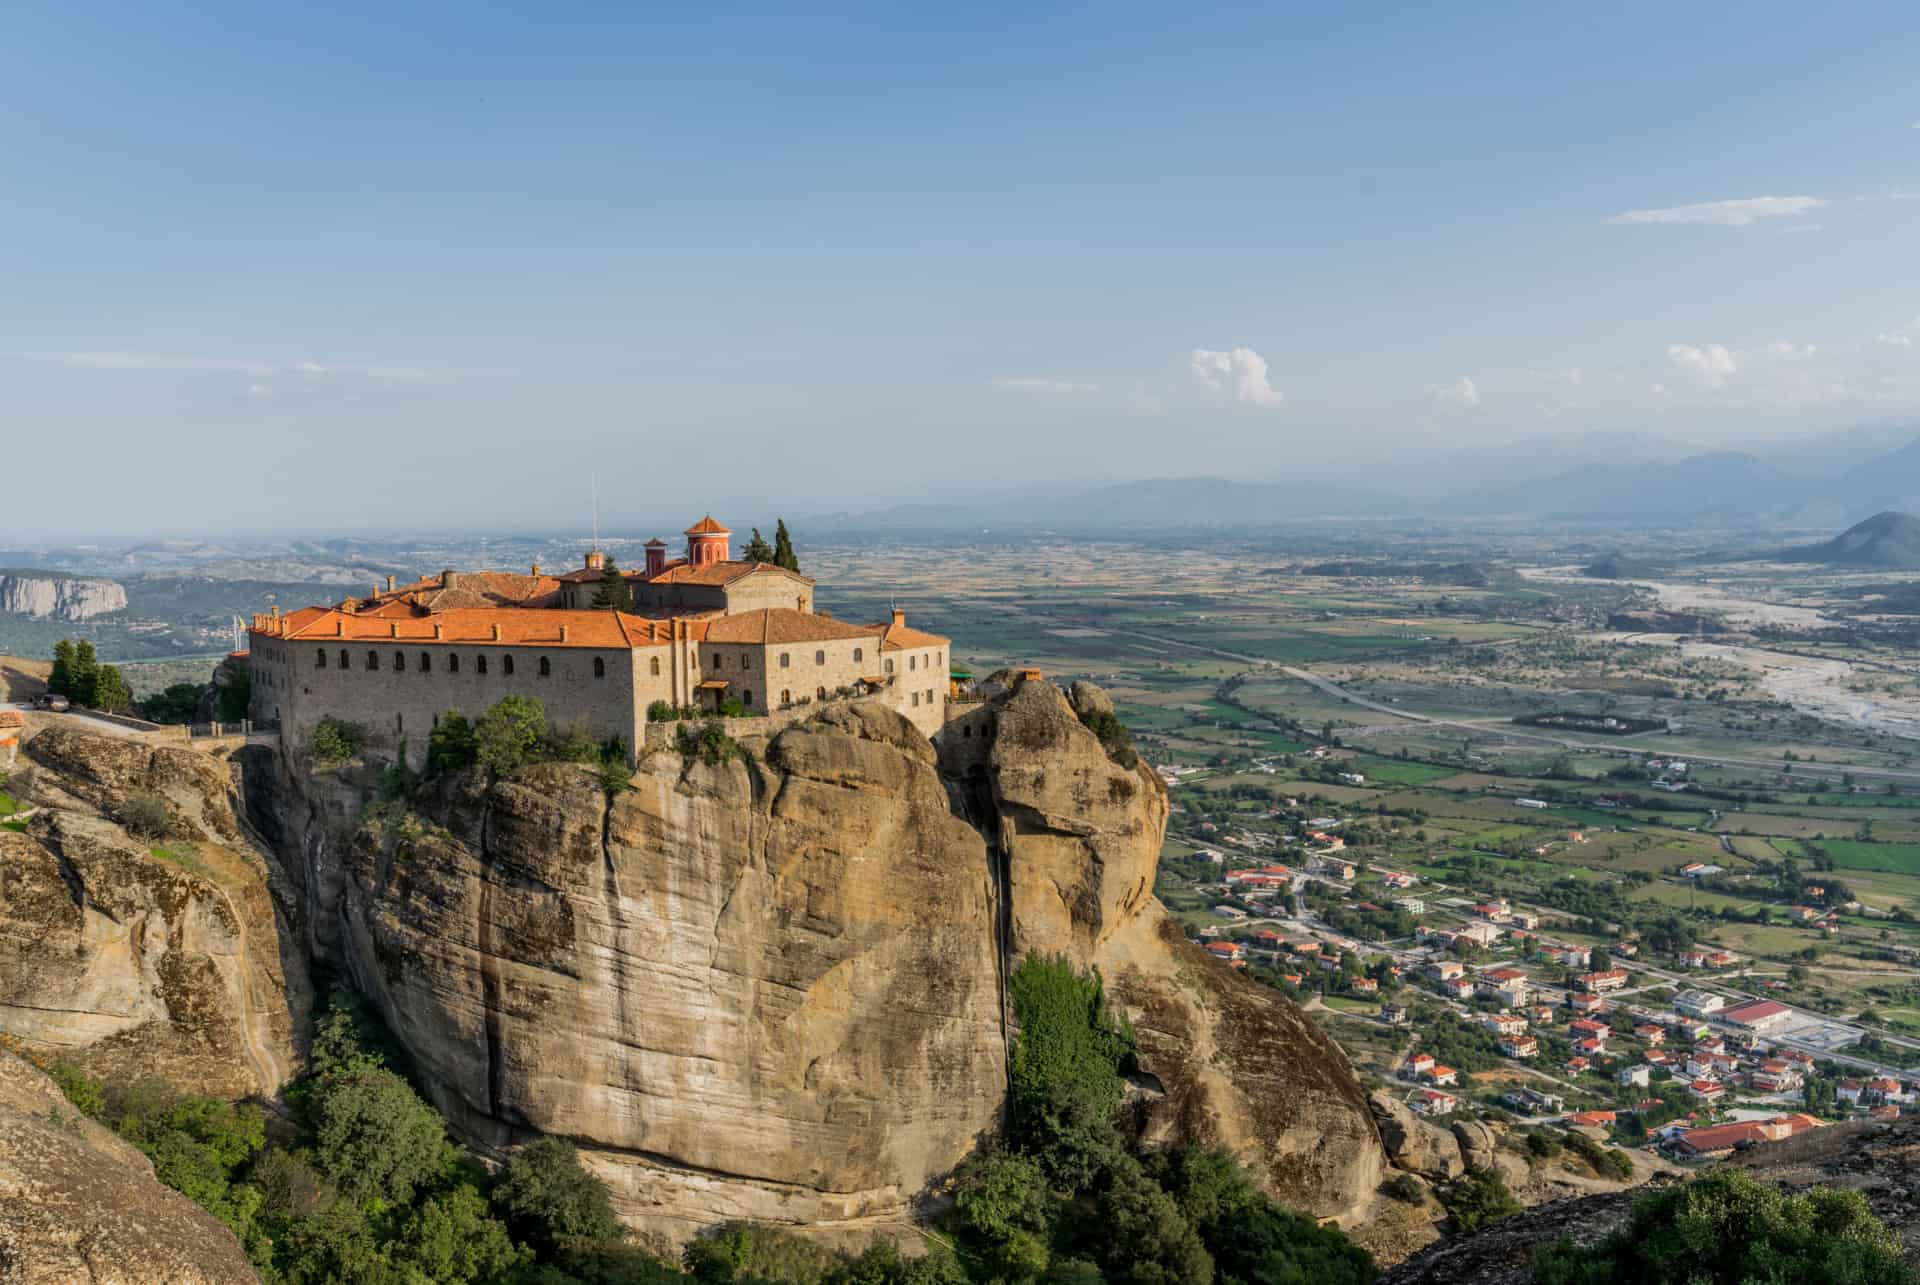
point(966, 731)
point(786, 697)
point(373, 660)
point(820, 693)
point(320, 659)
point(859, 654)
point(785, 660)
point(426, 662)
point(343, 658)
point(399, 660)
point(506, 665)
point(480, 664)
point(546, 668)
point(599, 667)
point(653, 666)
point(746, 697)
point(453, 662)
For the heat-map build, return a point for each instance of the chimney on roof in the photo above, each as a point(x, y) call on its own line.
point(393, 629)
point(656, 557)
point(536, 568)
point(348, 606)
point(563, 633)
point(446, 578)
point(596, 560)
point(436, 631)
point(496, 631)
point(389, 584)
point(899, 618)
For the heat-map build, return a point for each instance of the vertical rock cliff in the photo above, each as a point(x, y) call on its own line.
point(772, 988)
point(49, 596)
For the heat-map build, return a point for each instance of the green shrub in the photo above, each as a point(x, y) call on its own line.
point(662, 712)
point(374, 1137)
point(451, 745)
point(731, 708)
point(710, 745)
point(508, 735)
point(572, 744)
point(1113, 734)
point(1474, 1202)
point(1725, 1228)
point(178, 703)
point(147, 816)
point(547, 1198)
point(1405, 1187)
point(231, 705)
point(749, 1252)
point(81, 1090)
point(1004, 1213)
point(334, 741)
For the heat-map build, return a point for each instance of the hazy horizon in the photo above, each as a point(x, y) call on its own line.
point(415, 270)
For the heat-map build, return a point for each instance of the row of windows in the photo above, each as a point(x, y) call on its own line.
point(452, 662)
point(916, 698)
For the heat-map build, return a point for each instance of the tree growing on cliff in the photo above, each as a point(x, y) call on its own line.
point(509, 734)
point(60, 681)
point(614, 593)
point(549, 1199)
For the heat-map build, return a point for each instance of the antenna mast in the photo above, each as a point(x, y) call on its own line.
point(596, 510)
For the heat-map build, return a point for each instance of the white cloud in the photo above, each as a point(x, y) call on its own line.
point(1712, 364)
point(260, 390)
point(1460, 392)
point(236, 366)
point(1026, 385)
point(1728, 214)
point(1894, 339)
point(1246, 369)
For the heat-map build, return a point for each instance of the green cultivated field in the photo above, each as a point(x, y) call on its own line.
point(1853, 854)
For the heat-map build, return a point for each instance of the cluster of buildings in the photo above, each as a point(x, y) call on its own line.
point(705, 631)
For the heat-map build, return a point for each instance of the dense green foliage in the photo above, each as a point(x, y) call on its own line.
point(549, 1200)
point(1474, 1202)
point(79, 675)
point(710, 743)
point(757, 549)
point(1727, 1229)
point(1113, 734)
point(783, 554)
point(146, 816)
point(334, 741)
point(177, 703)
point(451, 745)
point(509, 734)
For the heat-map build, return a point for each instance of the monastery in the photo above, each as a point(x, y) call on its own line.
point(706, 632)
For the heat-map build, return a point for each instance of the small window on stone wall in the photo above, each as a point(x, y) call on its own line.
point(399, 661)
point(373, 660)
point(599, 667)
point(506, 665)
point(819, 657)
point(859, 654)
point(746, 662)
point(889, 667)
point(913, 662)
point(786, 697)
point(546, 668)
point(426, 662)
point(343, 658)
point(320, 659)
point(479, 664)
point(653, 666)
point(453, 662)
point(785, 660)
point(916, 698)
point(746, 697)
point(820, 693)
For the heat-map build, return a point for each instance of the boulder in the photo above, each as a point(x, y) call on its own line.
point(1412, 1143)
point(1478, 1144)
point(1088, 699)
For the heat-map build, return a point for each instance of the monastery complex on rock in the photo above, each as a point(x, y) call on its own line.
point(705, 631)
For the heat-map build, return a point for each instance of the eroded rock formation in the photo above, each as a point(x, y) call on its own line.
point(79, 1205)
point(133, 957)
point(60, 597)
point(773, 987)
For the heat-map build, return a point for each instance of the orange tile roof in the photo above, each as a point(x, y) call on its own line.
point(474, 589)
point(898, 637)
point(719, 573)
point(783, 625)
point(707, 526)
point(502, 626)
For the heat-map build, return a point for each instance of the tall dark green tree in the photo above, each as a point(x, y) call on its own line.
point(783, 555)
point(757, 550)
point(86, 672)
point(615, 594)
point(110, 691)
point(60, 682)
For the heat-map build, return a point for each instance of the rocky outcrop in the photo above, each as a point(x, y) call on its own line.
point(1479, 1147)
point(133, 957)
point(59, 597)
point(773, 987)
point(79, 1205)
point(1415, 1145)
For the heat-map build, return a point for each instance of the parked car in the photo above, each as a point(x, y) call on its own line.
point(58, 704)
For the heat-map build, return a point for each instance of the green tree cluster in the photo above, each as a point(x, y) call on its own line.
point(335, 740)
point(513, 733)
point(80, 676)
point(614, 593)
point(1726, 1228)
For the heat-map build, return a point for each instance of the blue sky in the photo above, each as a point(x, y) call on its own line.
point(426, 265)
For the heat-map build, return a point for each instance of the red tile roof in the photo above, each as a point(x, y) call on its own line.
point(707, 526)
point(496, 626)
point(719, 573)
point(783, 625)
point(1758, 1011)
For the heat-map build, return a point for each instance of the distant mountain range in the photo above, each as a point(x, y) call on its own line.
point(1628, 489)
point(1885, 541)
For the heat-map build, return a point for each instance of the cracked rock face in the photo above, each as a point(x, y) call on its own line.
point(771, 988)
point(79, 1205)
point(60, 597)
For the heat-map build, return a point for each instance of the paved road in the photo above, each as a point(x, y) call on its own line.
point(88, 721)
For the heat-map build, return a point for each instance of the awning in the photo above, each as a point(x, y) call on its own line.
point(714, 685)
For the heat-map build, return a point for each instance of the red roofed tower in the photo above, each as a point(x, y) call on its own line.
point(706, 542)
point(656, 557)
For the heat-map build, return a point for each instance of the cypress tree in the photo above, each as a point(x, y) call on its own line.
point(614, 594)
point(85, 672)
point(110, 690)
point(783, 555)
point(60, 682)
